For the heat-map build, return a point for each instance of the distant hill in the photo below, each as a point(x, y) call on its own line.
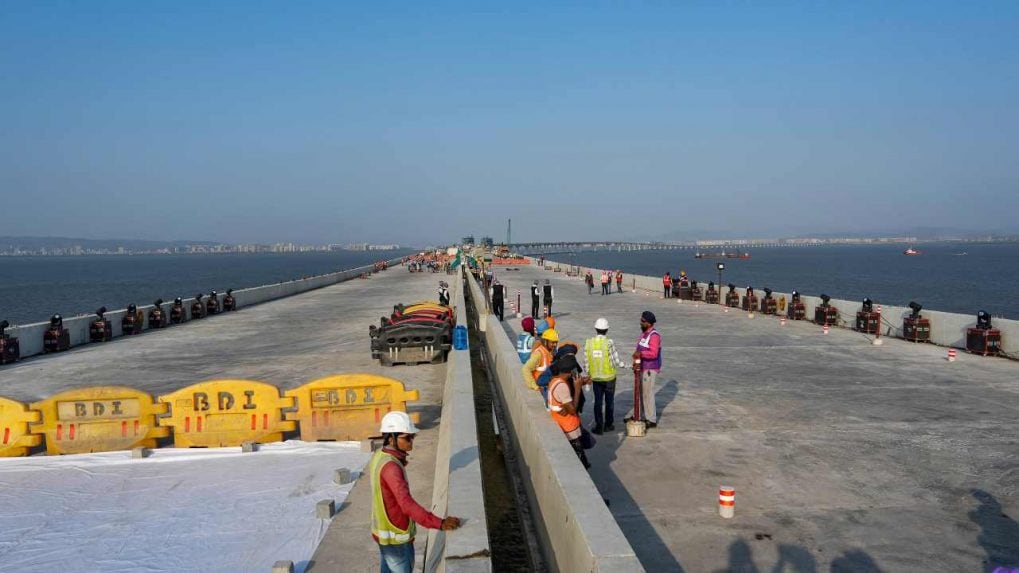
point(35, 243)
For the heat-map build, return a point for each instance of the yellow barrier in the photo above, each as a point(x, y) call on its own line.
point(17, 438)
point(226, 413)
point(347, 406)
point(425, 306)
point(99, 419)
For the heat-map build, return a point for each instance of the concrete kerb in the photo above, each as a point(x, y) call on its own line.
point(578, 533)
point(947, 328)
point(457, 488)
point(30, 336)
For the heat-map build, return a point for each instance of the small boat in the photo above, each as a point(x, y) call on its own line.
point(962, 254)
point(911, 252)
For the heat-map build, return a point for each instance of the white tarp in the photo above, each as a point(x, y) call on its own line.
point(177, 510)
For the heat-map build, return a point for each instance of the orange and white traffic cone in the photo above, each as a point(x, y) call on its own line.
point(951, 355)
point(781, 321)
point(824, 329)
point(726, 501)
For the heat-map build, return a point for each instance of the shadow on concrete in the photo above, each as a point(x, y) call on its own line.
point(794, 558)
point(999, 533)
point(463, 458)
point(652, 551)
point(665, 395)
point(797, 559)
point(429, 415)
point(855, 561)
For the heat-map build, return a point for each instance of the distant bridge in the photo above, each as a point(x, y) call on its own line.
point(558, 247)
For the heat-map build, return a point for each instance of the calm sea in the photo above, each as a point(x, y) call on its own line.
point(33, 288)
point(952, 277)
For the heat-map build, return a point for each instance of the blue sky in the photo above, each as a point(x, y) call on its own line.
point(418, 123)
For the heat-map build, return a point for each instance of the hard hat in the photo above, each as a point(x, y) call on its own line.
point(601, 324)
point(550, 335)
point(541, 327)
point(397, 423)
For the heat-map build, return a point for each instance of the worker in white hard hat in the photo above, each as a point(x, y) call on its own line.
point(600, 361)
point(394, 513)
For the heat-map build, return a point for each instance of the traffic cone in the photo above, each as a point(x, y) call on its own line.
point(824, 329)
point(726, 501)
point(781, 321)
point(951, 355)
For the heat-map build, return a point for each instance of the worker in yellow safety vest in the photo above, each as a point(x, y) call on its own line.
point(394, 513)
point(601, 358)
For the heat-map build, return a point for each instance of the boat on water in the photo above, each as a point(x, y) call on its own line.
point(911, 252)
point(721, 255)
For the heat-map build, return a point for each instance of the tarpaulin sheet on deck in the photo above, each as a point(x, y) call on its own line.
point(177, 510)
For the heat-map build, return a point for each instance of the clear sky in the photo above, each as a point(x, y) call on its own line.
point(418, 122)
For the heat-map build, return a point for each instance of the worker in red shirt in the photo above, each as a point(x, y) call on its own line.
point(394, 512)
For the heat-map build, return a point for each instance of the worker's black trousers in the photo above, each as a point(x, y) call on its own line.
point(534, 307)
point(497, 308)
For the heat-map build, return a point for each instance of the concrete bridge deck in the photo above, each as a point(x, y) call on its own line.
point(844, 455)
point(286, 342)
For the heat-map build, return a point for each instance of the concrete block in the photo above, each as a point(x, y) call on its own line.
point(325, 509)
point(283, 567)
point(140, 452)
point(342, 476)
point(249, 447)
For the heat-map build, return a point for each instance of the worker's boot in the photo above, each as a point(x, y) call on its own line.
point(597, 429)
point(579, 448)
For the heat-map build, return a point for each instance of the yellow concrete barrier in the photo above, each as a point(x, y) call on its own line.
point(347, 406)
point(15, 436)
point(226, 413)
point(99, 419)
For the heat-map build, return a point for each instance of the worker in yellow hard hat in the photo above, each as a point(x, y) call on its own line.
point(541, 358)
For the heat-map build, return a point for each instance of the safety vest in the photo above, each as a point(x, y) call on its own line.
point(524, 343)
point(568, 423)
point(382, 528)
point(535, 293)
point(604, 278)
point(666, 280)
point(599, 361)
point(546, 360)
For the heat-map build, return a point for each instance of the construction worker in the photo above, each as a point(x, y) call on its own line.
point(548, 294)
point(605, 282)
point(649, 350)
point(540, 360)
point(443, 293)
point(600, 360)
point(394, 513)
point(525, 340)
point(667, 283)
point(535, 299)
point(589, 281)
point(561, 405)
point(498, 294)
point(619, 281)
